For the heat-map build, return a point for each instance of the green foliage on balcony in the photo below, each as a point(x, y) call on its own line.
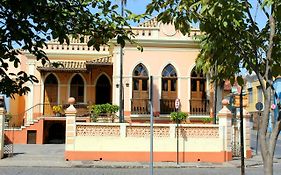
point(99, 110)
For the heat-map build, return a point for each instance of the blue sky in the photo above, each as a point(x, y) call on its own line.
point(138, 7)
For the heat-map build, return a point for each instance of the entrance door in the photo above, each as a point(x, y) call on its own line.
point(31, 136)
point(50, 94)
point(103, 90)
point(56, 132)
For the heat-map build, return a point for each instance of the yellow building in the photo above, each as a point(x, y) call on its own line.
point(255, 95)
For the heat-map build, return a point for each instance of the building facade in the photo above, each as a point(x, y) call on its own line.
point(93, 77)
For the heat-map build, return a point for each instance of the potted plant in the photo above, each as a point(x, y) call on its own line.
point(57, 109)
point(103, 112)
point(178, 116)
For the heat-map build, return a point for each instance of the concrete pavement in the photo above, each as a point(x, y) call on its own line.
point(52, 155)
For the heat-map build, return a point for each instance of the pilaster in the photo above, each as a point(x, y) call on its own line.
point(70, 134)
point(225, 130)
point(30, 96)
point(247, 134)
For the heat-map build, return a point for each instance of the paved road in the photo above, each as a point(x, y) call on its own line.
point(131, 171)
point(277, 153)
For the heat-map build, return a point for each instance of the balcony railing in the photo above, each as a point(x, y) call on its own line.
point(167, 106)
point(82, 109)
point(140, 106)
point(199, 107)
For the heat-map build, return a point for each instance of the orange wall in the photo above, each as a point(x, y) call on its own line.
point(20, 136)
point(144, 156)
point(17, 109)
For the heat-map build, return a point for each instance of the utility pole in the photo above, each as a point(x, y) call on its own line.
point(242, 133)
point(216, 96)
point(121, 100)
point(151, 125)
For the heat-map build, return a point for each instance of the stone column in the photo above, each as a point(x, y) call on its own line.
point(2, 126)
point(225, 130)
point(70, 134)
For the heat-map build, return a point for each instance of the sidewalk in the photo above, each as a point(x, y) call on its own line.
point(255, 161)
point(58, 161)
point(53, 156)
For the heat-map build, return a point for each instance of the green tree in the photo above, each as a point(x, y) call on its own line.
point(234, 39)
point(26, 26)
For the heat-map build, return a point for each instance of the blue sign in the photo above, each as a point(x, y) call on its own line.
point(277, 96)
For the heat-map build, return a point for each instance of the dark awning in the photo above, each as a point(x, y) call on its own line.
point(75, 66)
point(64, 66)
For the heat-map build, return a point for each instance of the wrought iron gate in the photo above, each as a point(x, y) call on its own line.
point(235, 139)
point(8, 147)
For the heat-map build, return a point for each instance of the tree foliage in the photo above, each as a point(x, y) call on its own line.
point(26, 26)
point(234, 39)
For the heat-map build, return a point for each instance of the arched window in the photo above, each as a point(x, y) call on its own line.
point(51, 80)
point(169, 78)
point(77, 88)
point(198, 82)
point(140, 78)
point(169, 89)
point(50, 93)
point(139, 103)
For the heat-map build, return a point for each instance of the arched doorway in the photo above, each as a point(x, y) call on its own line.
point(103, 90)
point(50, 94)
point(199, 104)
point(77, 88)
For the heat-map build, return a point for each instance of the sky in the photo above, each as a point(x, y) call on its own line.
point(138, 7)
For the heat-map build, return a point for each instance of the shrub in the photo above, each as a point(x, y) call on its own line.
point(178, 116)
point(107, 109)
point(207, 120)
